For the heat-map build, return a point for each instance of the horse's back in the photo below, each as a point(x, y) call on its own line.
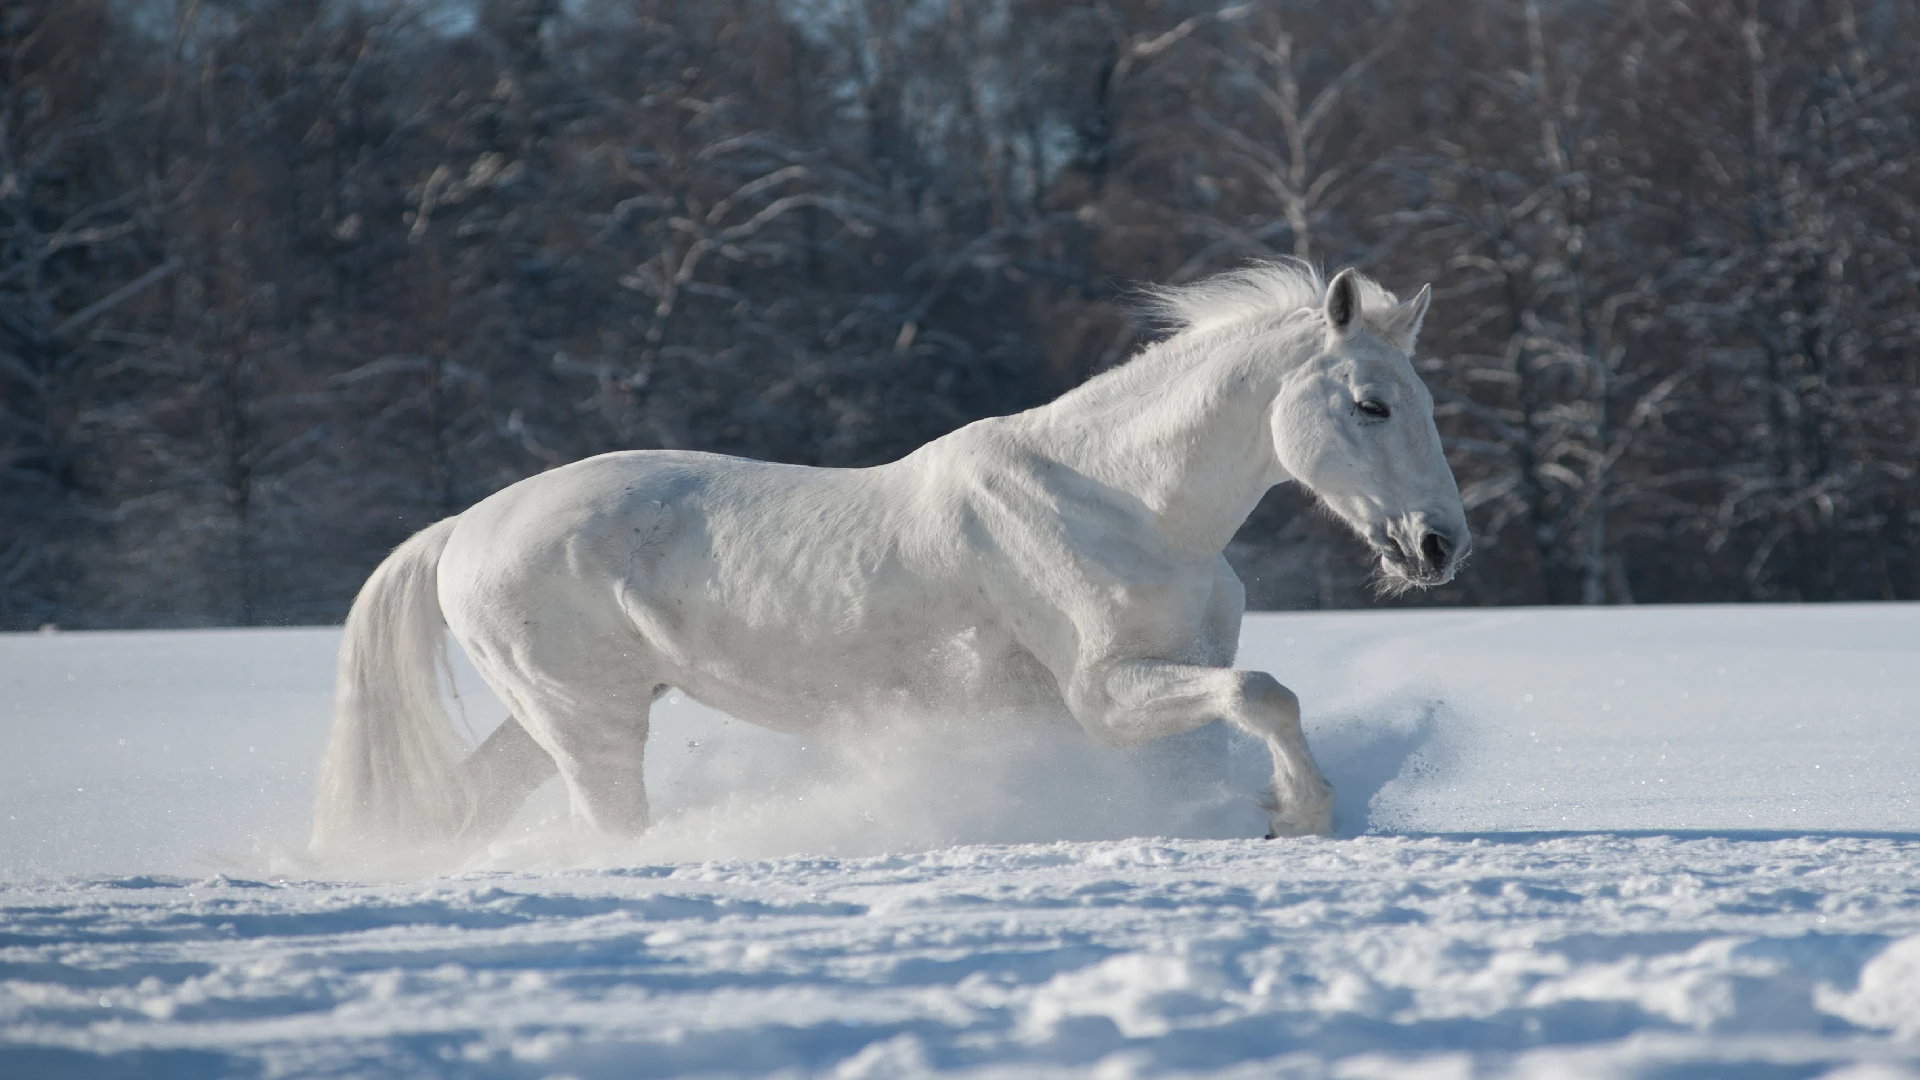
point(644, 518)
point(732, 577)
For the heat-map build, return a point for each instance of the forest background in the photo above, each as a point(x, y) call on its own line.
point(283, 280)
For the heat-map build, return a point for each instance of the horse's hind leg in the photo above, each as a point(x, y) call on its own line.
point(601, 756)
point(586, 710)
point(503, 771)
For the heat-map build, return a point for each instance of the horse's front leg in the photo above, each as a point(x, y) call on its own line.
point(1131, 701)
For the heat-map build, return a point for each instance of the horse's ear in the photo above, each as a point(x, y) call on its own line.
point(1343, 301)
point(1403, 326)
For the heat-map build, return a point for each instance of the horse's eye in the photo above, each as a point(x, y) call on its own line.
point(1376, 409)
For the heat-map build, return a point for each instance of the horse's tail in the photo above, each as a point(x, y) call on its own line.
point(391, 775)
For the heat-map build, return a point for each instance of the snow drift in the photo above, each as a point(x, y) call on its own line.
point(1597, 843)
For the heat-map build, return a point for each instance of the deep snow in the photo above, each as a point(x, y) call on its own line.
point(1655, 842)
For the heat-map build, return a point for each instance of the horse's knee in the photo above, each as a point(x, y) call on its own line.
point(1263, 696)
point(1098, 711)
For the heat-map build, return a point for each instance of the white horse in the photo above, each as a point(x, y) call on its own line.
point(1062, 560)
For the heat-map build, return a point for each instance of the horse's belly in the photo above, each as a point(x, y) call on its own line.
point(843, 686)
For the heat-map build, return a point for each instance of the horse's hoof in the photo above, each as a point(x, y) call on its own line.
point(1288, 830)
point(1315, 818)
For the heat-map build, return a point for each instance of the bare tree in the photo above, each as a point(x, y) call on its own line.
point(70, 261)
point(284, 279)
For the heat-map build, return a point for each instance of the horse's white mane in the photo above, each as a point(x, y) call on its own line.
point(1289, 292)
point(1258, 289)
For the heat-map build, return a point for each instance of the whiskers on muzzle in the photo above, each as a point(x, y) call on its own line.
point(1415, 557)
point(1417, 551)
point(1389, 579)
point(1388, 583)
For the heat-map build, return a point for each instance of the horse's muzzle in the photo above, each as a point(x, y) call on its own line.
point(1420, 553)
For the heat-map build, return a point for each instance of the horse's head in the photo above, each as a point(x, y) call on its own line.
point(1355, 425)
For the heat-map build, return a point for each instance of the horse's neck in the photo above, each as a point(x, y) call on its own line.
point(1196, 451)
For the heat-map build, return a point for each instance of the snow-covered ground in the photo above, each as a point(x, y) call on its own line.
point(1655, 842)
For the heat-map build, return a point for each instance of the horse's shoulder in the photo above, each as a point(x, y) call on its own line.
point(978, 465)
point(1035, 507)
point(982, 445)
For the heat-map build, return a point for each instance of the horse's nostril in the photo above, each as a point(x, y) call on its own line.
point(1434, 547)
